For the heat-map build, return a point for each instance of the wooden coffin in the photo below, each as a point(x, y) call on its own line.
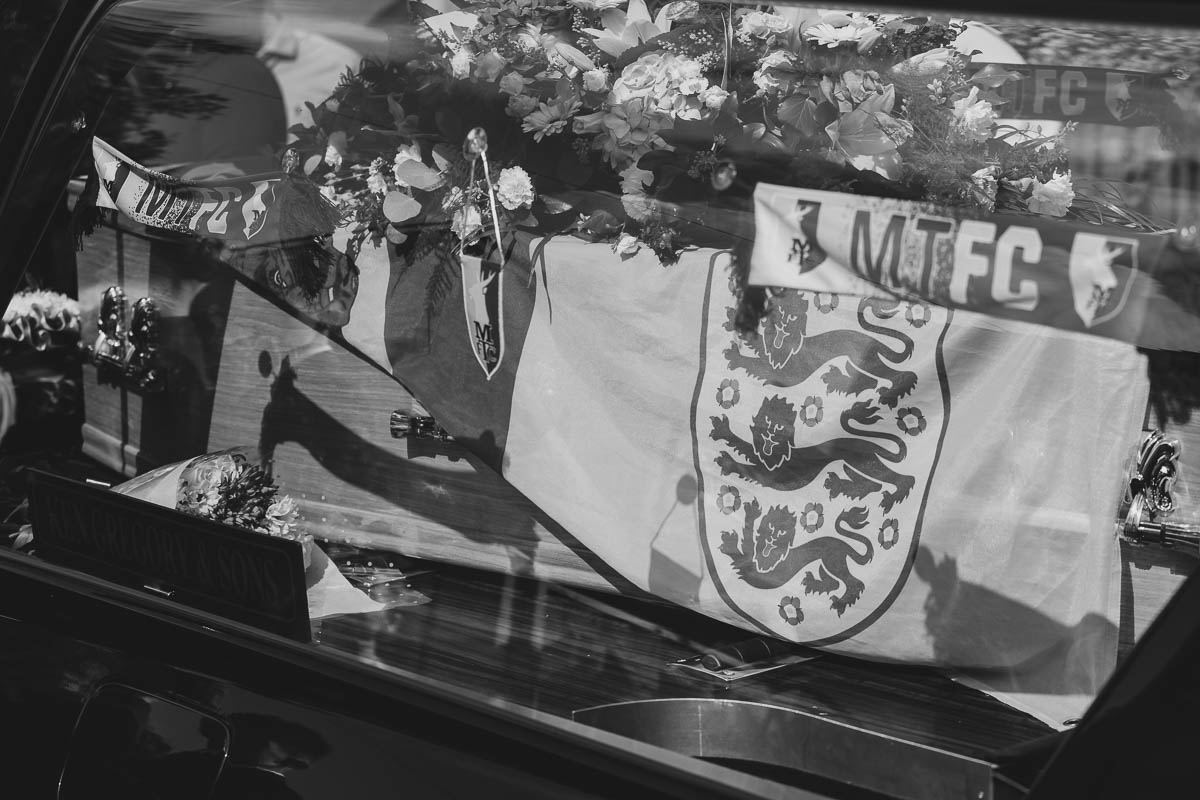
point(263, 378)
point(328, 427)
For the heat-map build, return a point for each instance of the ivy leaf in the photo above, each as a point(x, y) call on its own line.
point(399, 207)
point(800, 113)
point(881, 102)
point(858, 134)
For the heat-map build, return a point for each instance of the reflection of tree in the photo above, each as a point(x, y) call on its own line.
point(146, 76)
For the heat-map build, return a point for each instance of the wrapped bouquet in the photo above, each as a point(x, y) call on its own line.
point(228, 486)
point(231, 486)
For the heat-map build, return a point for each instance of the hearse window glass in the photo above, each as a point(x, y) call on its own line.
point(604, 354)
point(24, 28)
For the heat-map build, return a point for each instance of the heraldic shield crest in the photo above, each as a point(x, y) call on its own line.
point(817, 438)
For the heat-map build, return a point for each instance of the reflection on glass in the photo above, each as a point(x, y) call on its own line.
point(834, 327)
point(134, 745)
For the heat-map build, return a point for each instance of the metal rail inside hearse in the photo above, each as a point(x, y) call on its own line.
point(598, 398)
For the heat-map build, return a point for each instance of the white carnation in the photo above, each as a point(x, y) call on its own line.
point(1054, 197)
point(634, 180)
point(514, 189)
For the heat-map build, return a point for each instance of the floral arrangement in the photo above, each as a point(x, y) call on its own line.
point(228, 487)
point(646, 124)
point(40, 318)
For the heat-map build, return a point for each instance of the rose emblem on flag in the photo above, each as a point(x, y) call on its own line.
point(830, 449)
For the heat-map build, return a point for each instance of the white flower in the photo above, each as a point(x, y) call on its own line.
point(521, 106)
point(765, 78)
point(512, 83)
point(283, 506)
point(460, 64)
point(634, 180)
point(986, 184)
point(514, 189)
point(825, 33)
point(332, 157)
point(637, 206)
point(377, 183)
point(466, 221)
point(626, 245)
point(489, 65)
point(973, 117)
point(595, 80)
point(693, 86)
point(407, 152)
point(281, 515)
point(1054, 197)
point(686, 68)
point(714, 97)
point(763, 25)
point(549, 119)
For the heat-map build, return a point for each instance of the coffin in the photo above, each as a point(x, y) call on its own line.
point(329, 424)
point(264, 378)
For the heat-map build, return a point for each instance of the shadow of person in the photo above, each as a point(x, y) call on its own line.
point(470, 507)
point(264, 749)
point(972, 624)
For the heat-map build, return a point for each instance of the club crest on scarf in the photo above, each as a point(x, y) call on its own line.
point(817, 437)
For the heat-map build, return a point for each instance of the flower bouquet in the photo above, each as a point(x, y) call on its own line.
point(228, 486)
point(650, 124)
point(39, 389)
point(231, 486)
point(40, 320)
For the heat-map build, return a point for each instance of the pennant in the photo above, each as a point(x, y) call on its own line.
point(239, 210)
point(482, 300)
point(1073, 276)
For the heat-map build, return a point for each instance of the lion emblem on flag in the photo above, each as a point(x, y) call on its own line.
point(816, 440)
point(785, 354)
